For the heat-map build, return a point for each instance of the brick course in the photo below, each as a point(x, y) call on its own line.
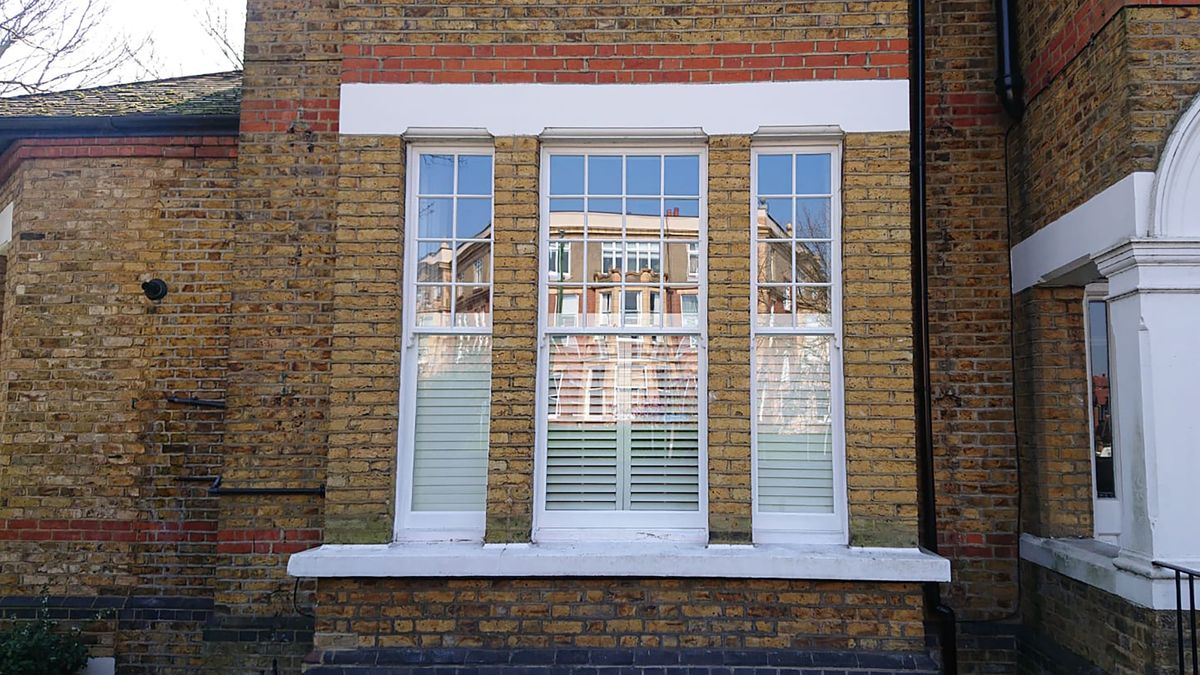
point(619, 612)
point(969, 314)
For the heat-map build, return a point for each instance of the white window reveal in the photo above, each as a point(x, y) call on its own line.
point(446, 393)
point(621, 450)
point(797, 432)
point(1106, 505)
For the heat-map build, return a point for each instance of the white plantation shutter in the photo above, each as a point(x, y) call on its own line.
point(622, 467)
point(663, 468)
point(793, 434)
point(626, 436)
point(453, 399)
point(582, 468)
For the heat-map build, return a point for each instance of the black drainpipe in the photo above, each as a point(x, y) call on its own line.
point(1009, 84)
point(928, 530)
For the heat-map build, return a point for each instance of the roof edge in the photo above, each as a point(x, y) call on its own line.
point(16, 128)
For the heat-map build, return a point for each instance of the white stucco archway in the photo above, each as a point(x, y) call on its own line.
point(1176, 203)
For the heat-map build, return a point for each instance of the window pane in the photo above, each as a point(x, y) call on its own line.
point(474, 262)
point(812, 218)
point(644, 207)
point(682, 208)
point(775, 218)
point(566, 221)
point(774, 174)
point(643, 175)
point(603, 306)
point(812, 262)
point(1101, 399)
point(793, 426)
point(433, 305)
point(566, 175)
point(433, 261)
point(626, 437)
point(775, 306)
point(682, 307)
point(812, 174)
point(474, 218)
point(682, 262)
point(566, 306)
point(812, 307)
point(453, 399)
point(436, 175)
point(682, 175)
point(559, 262)
point(475, 175)
point(604, 175)
point(606, 205)
point(775, 261)
point(435, 218)
point(472, 306)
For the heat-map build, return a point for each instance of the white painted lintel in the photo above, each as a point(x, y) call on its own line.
point(634, 559)
point(856, 106)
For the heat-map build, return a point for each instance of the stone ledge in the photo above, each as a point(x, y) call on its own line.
point(630, 559)
point(1102, 566)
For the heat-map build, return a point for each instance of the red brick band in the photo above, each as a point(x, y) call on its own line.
point(116, 146)
point(1068, 42)
point(628, 63)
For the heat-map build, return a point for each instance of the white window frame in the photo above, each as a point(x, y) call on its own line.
point(680, 526)
point(429, 525)
point(774, 527)
point(1106, 513)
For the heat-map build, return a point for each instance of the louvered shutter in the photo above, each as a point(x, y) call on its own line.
point(664, 468)
point(582, 468)
point(453, 395)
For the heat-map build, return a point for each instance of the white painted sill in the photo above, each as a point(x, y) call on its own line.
point(1102, 566)
point(624, 559)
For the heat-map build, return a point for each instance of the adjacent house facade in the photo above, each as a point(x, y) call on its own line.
point(595, 336)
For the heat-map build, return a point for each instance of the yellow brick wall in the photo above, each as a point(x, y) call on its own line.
point(514, 341)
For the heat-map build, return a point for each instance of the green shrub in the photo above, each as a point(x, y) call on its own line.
point(38, 648)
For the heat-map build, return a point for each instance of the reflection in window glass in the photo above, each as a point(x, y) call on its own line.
point(793, 425)
point(626, 230)
point(449, 292)
point(793, 240)
point(1101, 398)
point(794, 333)
point(626, 436)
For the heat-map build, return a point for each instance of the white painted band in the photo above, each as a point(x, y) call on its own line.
point(528, 109)
point(1118, 213)
point(650, 559)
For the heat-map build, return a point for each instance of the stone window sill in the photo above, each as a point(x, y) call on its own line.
point(633, 559)
point(1103, 566)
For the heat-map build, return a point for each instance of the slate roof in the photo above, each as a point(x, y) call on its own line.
point(212, 94)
